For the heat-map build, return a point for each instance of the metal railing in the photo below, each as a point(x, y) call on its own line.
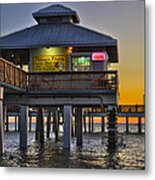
point(12, 75)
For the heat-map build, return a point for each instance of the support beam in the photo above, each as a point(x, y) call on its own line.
point(1, 123)
point(67, 125)
point(127, 124)
point(23, 126)
point(79, 125)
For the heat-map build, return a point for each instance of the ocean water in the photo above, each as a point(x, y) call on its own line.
point(94, 154)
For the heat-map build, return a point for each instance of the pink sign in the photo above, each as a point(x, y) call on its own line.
point(99, 56)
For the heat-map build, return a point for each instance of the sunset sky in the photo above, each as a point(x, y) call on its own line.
point(123, 21)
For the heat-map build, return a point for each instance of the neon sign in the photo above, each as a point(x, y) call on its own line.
point(99, 56)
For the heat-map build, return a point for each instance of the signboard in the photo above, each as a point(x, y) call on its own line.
point(49, 63)
point(99, 56)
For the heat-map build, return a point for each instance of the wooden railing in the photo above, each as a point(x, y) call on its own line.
point(131, 109)
point(73, 80)
point(12, 75)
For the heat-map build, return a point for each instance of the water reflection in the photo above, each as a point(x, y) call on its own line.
point(94, 154)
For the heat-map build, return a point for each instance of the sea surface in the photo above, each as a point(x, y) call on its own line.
point(94, 154)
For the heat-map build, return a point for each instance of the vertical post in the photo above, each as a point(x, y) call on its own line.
point(89, 126)
point(4, 116)
point(19, 123)
point(67, 125)
point(92, 124)
point(23, 126)
point(1, 123)
point(112, 130)
point(102, 124)
point(30, 123)
point(139, 125)
point(127, 124)
point(84, 122)
point(16, 123)
point(48, 125)
point(40, 125)
point(79, 125)
point(55, 124)
point(7, 123)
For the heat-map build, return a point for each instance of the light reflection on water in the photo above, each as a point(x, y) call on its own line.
point(130, 153)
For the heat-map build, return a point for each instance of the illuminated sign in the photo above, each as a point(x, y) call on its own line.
point(99, 56)
point(49, 63)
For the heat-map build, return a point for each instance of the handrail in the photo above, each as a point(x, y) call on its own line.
point(12, 75)
point(92, 80)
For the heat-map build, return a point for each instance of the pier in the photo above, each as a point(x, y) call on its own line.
point(67, 80)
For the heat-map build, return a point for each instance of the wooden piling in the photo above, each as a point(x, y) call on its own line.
point(102, 124)
point(84, 123)
point(127, 124)
point(89, 123)
point(79, 125)
point(112, 130)
point(7, 123)
point(139, 125)
point(30, 123)
point(56, 124)
point(48, 125)
point(16, 122)
point(67, 126)
point(1, 123)
point(92, 124)
point(40, 126)
point(23, 126)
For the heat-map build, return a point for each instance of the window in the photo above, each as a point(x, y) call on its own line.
point(81, 63)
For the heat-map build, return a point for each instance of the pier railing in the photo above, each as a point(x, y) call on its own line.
point(100, 80)
point(73, 80)
point(12, 75)
point(131, 109)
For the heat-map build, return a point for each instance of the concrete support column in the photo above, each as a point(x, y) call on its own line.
point(84, 123)
point(56, 124)
point(67, 125)
point(127, 124)
point(112, 129)
point(30, 123)
point(92, 124)
point(16, 118)
point(79, 125)
point(23, 126)
point(139, 125)
point(1, 123)
point(48, 125)
point(19, 123)
point(40, 125)
point(102, 124)
point(89, 123)
point(7, 123)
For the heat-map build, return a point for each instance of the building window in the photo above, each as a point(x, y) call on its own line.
point(81, 63)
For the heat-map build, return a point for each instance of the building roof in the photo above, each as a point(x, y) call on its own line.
point(55, 11)
point(58, 34)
